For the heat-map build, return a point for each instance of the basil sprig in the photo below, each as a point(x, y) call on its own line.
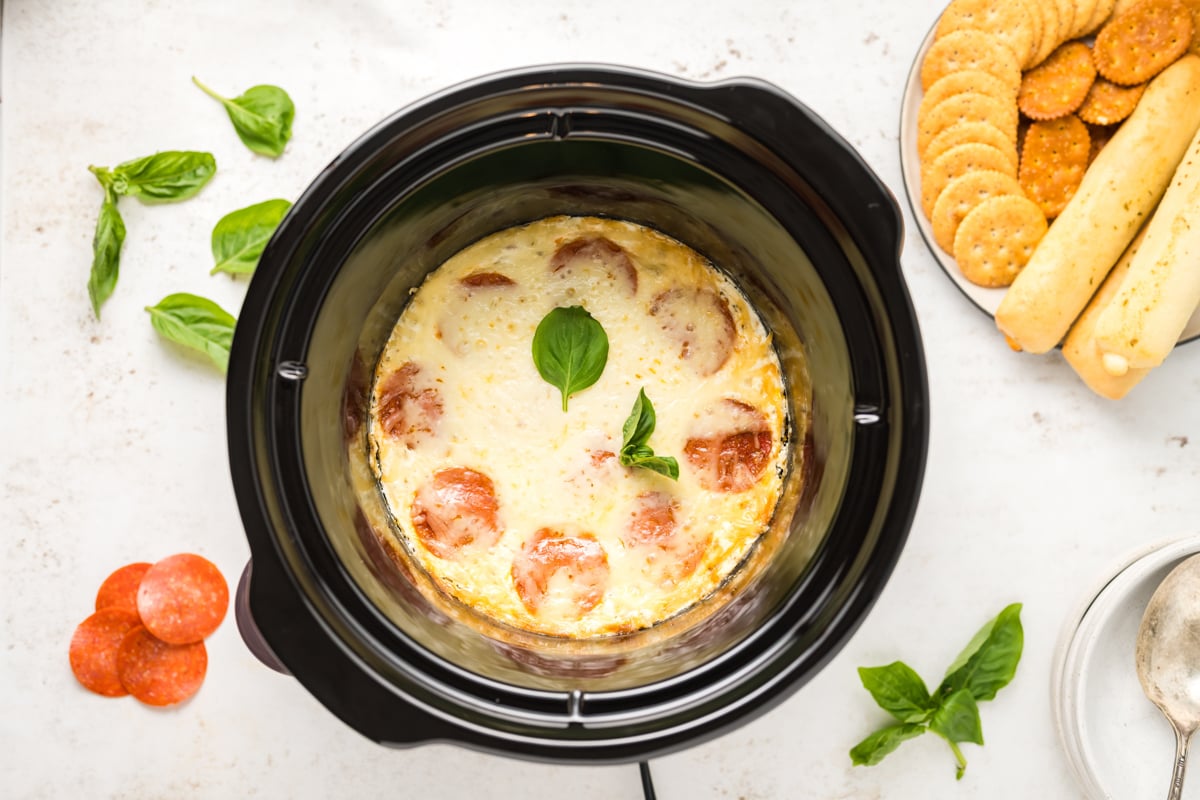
point(240, 236)
point(262, 117)
point(570, 349)
point(106, 251)
point(985, 666)
point(635, 452)
point(195, 322)
point(162, 177)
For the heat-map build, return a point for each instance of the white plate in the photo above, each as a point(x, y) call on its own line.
point(987, 300)
point(1118, 744)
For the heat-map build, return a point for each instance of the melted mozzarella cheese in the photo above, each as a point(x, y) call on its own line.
point(472, 344)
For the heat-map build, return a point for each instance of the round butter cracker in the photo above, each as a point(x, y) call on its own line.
point(1066, 19)
point(996, 239)
point(1084, 11)
point(959, 161)
point(1007, 21)
point(966, 107)
point(969, 133)
point(1102, 13)
point(970, 49)
point(968, 80)
point(961, 195)
point(1052, 31)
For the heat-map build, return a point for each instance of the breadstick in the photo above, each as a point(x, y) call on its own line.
point(1079, 348)
point(1143, 323)
point(1118, 193)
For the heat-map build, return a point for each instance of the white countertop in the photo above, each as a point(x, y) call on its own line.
point(112, 443)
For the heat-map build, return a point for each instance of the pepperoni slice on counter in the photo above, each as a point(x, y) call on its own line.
point(730, 448)
point(119, 590)
point(94, 649)
point(699, 322)
point(596, 260)
point(182, 598)
point(653, 528)
point(477, 280)
point(409, 409)
point(566, 570)
point(158, 673)
point(456, 509)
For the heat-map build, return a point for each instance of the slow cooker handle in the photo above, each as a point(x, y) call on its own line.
point(819, 157)
point(359, 701)
point(252, 637)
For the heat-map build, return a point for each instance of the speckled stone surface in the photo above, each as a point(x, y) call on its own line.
point(112, 442)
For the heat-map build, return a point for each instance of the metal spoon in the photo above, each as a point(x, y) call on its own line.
point(1168, 658)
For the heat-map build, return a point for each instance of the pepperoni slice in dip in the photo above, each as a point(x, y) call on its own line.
point(730, 448)
point(699, 322)
point(568, 572)
point(596, 260)
point(409, 408)
point(480, 302)
point(454, 510)
point(671, 553)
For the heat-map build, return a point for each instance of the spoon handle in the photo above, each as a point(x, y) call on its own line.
point(1181, 752)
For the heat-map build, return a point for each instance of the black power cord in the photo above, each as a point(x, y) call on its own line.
point(647, 781)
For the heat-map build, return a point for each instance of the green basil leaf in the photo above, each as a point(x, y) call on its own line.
point(663, 465)
point(957, 718)
point(570, 349)
point(636, 432)
point(640, 424)
point(106, 251)
point(240, 236)
point(104, 175)
point(195, 322)
point(262, 117)
point(165, 176)
point(899, 691)
point(990, 660)
point(871, 750)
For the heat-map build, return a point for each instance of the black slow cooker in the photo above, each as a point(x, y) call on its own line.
point(739, 171)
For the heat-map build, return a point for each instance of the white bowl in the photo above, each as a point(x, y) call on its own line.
point(1118, 744)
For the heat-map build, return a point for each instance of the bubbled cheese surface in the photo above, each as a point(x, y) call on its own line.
point(471, 345)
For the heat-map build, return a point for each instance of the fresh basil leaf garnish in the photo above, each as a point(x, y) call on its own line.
point(239, 237)
point(986, 665)
point(570, 349)
point(163, 177)
point(635, 450)
point(262, 117)
point(195, 322)
point(106, 251)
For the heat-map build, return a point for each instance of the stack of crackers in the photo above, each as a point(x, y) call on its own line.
point(1018, 100)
